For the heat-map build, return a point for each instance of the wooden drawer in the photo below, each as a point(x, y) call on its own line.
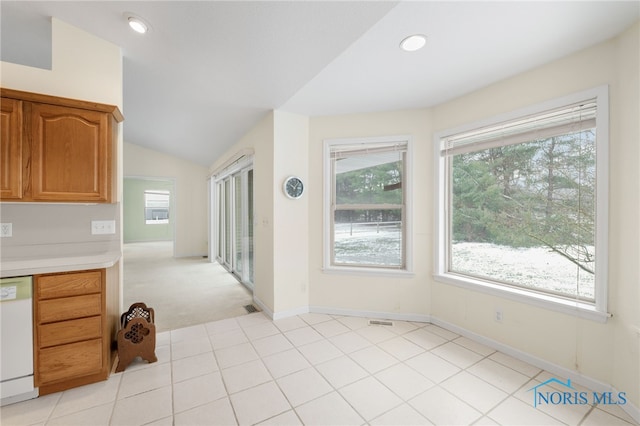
point(64, 285)
point(69, 361)
point(59, 333)
point(69, 308)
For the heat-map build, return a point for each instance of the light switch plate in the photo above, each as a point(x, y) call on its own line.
point(102, 227)
point(6, 230)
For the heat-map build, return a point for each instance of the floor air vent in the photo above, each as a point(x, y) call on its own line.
point(377, 322)
point(250, 309)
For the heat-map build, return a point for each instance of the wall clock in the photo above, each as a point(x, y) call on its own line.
point(293, 187)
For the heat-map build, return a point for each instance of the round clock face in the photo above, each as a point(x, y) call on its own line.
point(293, 187)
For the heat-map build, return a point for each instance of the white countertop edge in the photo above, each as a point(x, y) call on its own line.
point(21, 267)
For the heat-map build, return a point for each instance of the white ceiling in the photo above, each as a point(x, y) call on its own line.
point(209, 70)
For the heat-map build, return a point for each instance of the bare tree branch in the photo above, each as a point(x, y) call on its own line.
point(563, 254)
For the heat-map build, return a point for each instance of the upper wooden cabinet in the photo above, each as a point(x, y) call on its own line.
point(11, 150)
point(57, 149)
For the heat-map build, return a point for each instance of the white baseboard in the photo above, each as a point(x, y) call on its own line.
point(282, 314)
point(558, 370)
point(291, 312)
point(370, 314)
point(265, 310)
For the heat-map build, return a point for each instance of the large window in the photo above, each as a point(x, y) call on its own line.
point(522, 203)
point(366, 203)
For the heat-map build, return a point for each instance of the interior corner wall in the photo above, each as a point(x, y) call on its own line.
point(261, 140)
point(279, 143)
point(134, 224)
point(291, 217)
point(399, 297)
point(191, 194)
point(606, 352)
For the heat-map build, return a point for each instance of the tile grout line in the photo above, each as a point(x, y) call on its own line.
point(333, 388)
point(228, 394)
point(373, 375)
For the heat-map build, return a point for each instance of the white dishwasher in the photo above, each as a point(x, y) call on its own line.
point(16, 340)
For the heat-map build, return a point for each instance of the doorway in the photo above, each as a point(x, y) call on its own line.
point(232, 222)
point(148, 210)
point(183, 291)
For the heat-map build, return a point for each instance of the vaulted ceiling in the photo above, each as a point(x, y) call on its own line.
point(208, 71)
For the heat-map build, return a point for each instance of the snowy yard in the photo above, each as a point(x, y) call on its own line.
point(536, 267)
point(368, 243)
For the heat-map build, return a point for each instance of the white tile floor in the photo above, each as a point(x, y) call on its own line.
point(312, 369)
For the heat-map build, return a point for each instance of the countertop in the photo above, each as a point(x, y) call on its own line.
point(31, 265)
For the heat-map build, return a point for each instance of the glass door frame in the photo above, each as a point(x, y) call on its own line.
point(233, 253)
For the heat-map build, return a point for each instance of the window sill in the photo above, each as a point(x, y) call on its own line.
point(379, 272)
point(571, 307)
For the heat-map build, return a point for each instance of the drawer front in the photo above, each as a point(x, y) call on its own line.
point(69, 308)
point(69, 361)
point(59, 333)
point(64, 285)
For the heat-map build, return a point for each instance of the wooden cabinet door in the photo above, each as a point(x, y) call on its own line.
point(69, 361)
point(70, 154)
point(11, 150)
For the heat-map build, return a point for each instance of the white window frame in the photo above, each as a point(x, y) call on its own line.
point(328, 266)
point(595, 311)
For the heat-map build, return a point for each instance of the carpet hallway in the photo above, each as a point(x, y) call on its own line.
point(182, 291)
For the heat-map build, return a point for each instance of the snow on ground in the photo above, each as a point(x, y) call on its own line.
point(536, 267)
point(368, 244)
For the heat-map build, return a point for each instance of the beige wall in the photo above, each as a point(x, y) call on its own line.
point(281, 258)
point(396, 296)
point(606, 353)
point(83, 67)
point(291, 258)
point(190, 198)
point(261, 140)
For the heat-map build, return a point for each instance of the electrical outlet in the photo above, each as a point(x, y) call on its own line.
point(498, 315)
point(6, 230)
point(102, 227)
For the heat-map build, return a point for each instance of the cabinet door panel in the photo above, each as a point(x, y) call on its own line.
point(69, 308)
point(69, 361)
point(11, 149)
point(70, 154)
point(59, 333)
point(64, 285)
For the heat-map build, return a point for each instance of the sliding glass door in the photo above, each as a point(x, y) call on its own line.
point(234, 223)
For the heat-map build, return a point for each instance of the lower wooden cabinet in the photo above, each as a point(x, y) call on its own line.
point(69, 361)
point(73, 332)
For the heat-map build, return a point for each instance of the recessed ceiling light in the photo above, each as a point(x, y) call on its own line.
point(136, 23)
point(413, 42)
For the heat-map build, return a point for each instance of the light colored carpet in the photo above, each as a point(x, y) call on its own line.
point(182, 291)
